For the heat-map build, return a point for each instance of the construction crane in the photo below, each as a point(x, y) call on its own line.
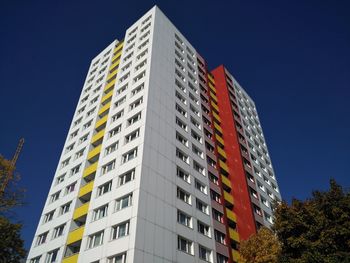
point(9, 173)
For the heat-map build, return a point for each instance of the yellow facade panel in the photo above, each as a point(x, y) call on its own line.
point(71, 259)
point(216, 116)
point(231, 215)
point(219, 139)
point(98, 136)
point(75, 235)
point(104, 108)
point(233, 234)
point(81, 211)
point(91, 169)
point(226, 181)
point(94, 152)
point(228, 197)
point(101, 121)
point(86, 189)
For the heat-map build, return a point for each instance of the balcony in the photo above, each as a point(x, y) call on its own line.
point(216, 116)
point(223, 166)
point(75, 235)
point(112, 74)
point(228, 198)
point(104, 108)
point(221, 152)
point(231, 215)
point(106, 97)
point(233, 234)
point(81, 211)
point(219, 139)
point(212, 95)
point(98, 136)
point(235, 255)
point(94, 152)
point(213, 104)
point(101, 122)
point(90, 170)
point(71, 259)
point(226, 181)
point(86, 189)
point(109, 85)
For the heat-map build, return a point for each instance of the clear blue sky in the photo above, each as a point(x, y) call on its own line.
point(292, 57)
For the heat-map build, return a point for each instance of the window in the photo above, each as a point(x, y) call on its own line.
point(185, 245)
point(213, 178)
point(115, 131)
point(181, 124)
point(35, 260)
point(100, 212)
point(184, 219)
point(129, 155)
point(120, 258)
point(54, 197)
point(200, 186)
point(41, 239)
point(65, 163)
point(204, 253)
point(197, 151)
point(219, 237)
point(204, 229)
point(184, 196)
point(139, 76)
point(137, 89)
point(111, 148)
point(79, 153)
point(221, 259)
point(180, 110)
point(58, 231)
point(132, 136)
point(201, 206)
point(84, 138)
point(70, 188)
point(90, 112)
point(122, 89)
point(75, 170)
point(120, 230)
point(198, 168)
point(183, 175)
point(69, 148)
point(87, 125)
point(60, 179)
point(184, 157)
point(48, 216)
point(180, 97)
point(196, 136)
point(196, 123)
point(108, 167)
point(181, 139)
point(120, 102)
point(136, 103)
point(134, 119)
point(117, 116)
point(65, 208)
point(126, 177)
point(95, 240)
point(123, 202)
point(218, 216)
point(81, 110)
point(52, 256)
point(105, 188)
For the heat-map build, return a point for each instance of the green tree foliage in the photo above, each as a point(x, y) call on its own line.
point(316, 230)
point(261, 248)
point(11, 244)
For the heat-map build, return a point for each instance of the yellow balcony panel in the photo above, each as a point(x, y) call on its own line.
point(81, 211)
point(212, 87)
point(222, 152)
point(71, 259)
point(114, 65)
point(223, 166)
point(217, 127)
point(233, 234)
point(216, 116)
point(112, 74)
point(117, 54)
point(86, 189)
point(212, 95)
point(94, 152)
point(100, 122)
point(109, 85)
point(98, 136)
point(228, 197)
point(211, 78)
point(107, 96)
point(104, 108)
point(226, 181)
point(230, 215)
point(219, 139)
point(75, 235)
point(91, 169)
point(236, 256)
point(215, 106)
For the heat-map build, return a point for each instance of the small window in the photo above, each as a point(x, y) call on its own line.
point(41, 239)
point(185, 245)
point(184, 196)
point(134, 119)
point(95, 240)
point(181, 155)
point(111, 148)
point(181, 124)
point(120, 258)
point(132, 136)
point(75, 170)
point(200, 169)
point(136, 103)
point(120, 230)
point(108, 167)
point(48, 216)
point(60, 179)
point(100, 212)
point(70, 188)
point(126, 177)
point(115, 131)
point(204, 229)
point(132, 154)
point(219, 237)
point(183, 175)
point(58, 231)
point(184, 219)
point(181, 139)
point(55, 196)
point(218, 216)
point(201, 206)
point(205, 253)
point(65, 208)
point(105, 188)
point(117, 116)
point(200, 186)
point(52, 256)
point(123, 202)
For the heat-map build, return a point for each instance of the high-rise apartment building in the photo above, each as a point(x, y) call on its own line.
point(164, 161)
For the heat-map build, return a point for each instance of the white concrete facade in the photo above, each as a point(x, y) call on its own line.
point(153, 81)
